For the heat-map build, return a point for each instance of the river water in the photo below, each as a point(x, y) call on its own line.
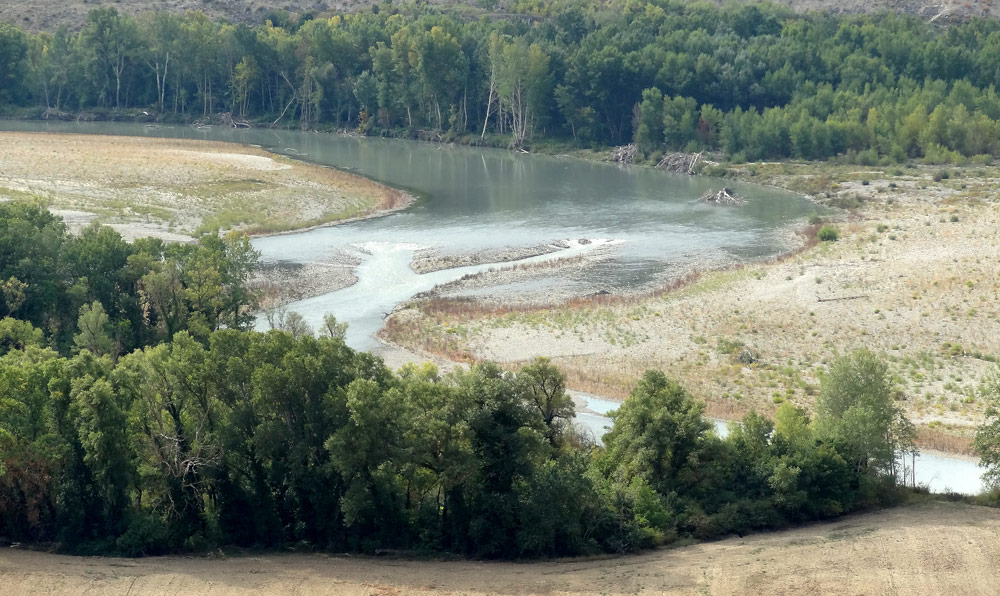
point(472, 199)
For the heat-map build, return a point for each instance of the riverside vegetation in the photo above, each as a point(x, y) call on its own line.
point(753, 81)
point(139, 415)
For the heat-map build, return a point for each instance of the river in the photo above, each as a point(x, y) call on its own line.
point(473, 199)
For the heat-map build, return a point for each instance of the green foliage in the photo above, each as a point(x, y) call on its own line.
point(856, 410)
point(828, 234)
point(269, 439)
point(754, 82)
point(174, 428)
point(94, 330)
point(987, 439)
point(95, 291)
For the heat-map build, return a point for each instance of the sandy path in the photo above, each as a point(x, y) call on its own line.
point(937, 548)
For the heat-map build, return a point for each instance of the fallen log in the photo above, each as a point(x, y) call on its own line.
point(838, 298)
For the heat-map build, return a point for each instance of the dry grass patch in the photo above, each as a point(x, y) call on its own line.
point(142, 185)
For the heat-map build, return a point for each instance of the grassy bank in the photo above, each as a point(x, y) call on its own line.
point(170, 187)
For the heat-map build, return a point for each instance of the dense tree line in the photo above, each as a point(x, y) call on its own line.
point(138, 415)
point(751, 80)
point(123, 295)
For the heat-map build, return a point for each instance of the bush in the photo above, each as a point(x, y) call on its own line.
point(146, 535)
point(828, 234)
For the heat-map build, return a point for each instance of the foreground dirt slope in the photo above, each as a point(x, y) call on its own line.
point(937, 548)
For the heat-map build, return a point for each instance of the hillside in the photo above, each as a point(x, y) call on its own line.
point(937, 548)
point(46, 15)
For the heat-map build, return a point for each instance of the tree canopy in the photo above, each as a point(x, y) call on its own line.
point(751, 80)
point(142, 417)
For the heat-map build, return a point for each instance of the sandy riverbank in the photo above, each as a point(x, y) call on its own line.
point(914, 276)
point(434, 259)
point(175, 188)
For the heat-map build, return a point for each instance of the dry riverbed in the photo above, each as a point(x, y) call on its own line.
point(175, 189)
point(913, 276)
point(934, 548)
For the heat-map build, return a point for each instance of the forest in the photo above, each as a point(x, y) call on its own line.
point(140, 414)
point(752, 81)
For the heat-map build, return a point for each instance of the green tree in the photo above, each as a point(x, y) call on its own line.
point(987, 439)
point(13, 64)
point(856, 410)
point(113, 41)
point(649, 121)
point(656, 435)
point(93, 334)
point(544, 388)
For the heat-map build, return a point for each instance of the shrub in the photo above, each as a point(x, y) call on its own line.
point(828, 234)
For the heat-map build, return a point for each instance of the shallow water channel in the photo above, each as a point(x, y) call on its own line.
point(648, 225)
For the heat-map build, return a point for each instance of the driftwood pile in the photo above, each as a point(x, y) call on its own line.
point(722, 197)
point(682, 163)
point(227, 120)
point(624, 154)
point(224, 119)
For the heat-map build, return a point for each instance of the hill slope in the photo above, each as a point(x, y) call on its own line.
point(937, 548)
point(47, 15)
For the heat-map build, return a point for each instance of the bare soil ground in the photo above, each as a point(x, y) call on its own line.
point(936, 548)
point(914, 276)
point(174, 188)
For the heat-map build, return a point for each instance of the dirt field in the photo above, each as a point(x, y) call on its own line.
point(938, 548)
point(175, 188)
point(913, 276)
